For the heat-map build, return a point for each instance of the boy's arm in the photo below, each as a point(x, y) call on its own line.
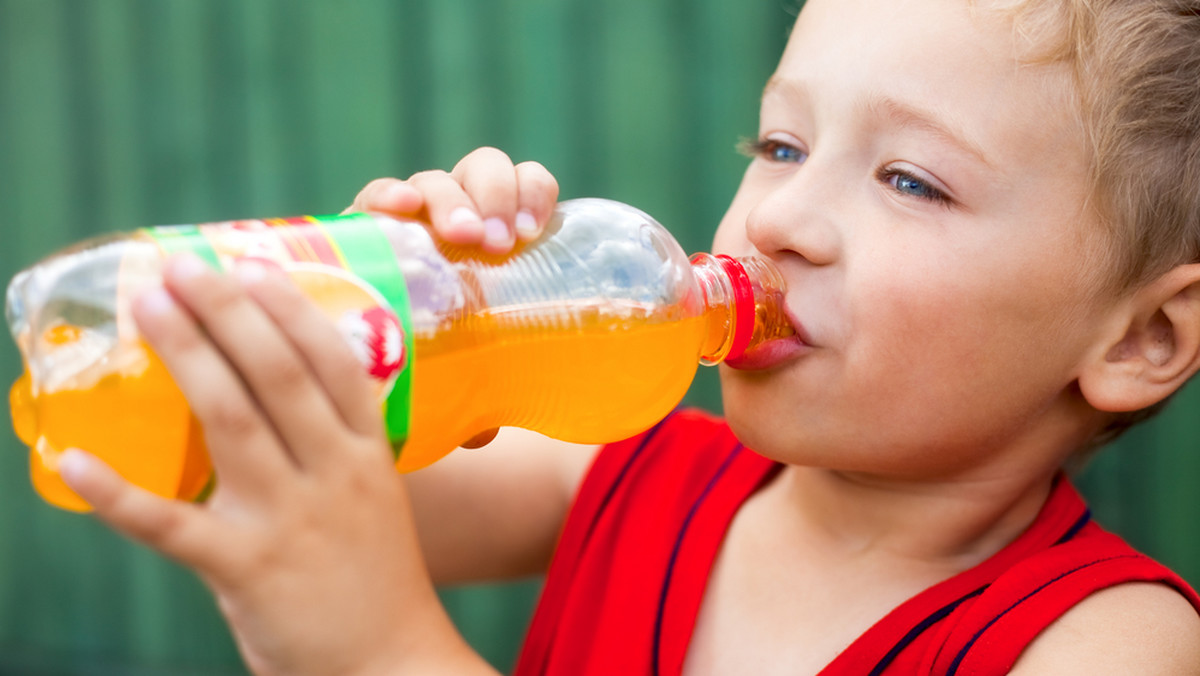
point(309, 541)
point(496, 512)
point(1133, 628)
point(493, 513)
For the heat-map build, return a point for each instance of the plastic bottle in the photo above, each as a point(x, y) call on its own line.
point(590, 334)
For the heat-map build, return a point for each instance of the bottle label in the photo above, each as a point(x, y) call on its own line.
point(343, 263)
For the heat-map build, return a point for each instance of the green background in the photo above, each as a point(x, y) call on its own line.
point(120, 113)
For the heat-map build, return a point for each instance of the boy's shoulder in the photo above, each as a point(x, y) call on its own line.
point(1136, 627)
point(1087, 603)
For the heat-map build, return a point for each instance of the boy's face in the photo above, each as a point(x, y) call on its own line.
point(923, 193)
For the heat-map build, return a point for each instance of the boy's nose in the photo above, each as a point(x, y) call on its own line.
point(797, 216)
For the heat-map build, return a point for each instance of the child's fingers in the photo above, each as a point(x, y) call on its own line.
point(485, 200)
point(298, 412)
point(178, 529)
point(389, 196)
point(215, 394)
point(449, 208)
point(488, 176)
point(538, 193)
point(319, 343)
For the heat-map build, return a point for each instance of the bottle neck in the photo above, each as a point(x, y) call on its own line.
point(744, 304)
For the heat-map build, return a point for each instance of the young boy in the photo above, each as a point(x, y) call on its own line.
point(988, 218)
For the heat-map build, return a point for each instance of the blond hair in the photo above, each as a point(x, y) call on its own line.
point(1136, 65)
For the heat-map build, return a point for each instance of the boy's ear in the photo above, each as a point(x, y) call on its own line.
point(1154, 347)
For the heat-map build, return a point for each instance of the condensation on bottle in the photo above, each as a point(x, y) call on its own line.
point(590, 334)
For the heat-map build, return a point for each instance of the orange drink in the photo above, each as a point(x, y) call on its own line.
point(590, 334)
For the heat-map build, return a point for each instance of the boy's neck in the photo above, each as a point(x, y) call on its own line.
point(953, 523)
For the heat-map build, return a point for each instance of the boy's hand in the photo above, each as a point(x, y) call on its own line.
point(308, 542)
point(485, 200)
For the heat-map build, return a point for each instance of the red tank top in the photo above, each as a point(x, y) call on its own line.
point(631, 566)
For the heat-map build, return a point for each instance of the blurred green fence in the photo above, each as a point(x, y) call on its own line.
point(121, 113)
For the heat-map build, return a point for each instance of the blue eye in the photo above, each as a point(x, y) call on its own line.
point(907, 184)
point(774, 151)
point(779, 152)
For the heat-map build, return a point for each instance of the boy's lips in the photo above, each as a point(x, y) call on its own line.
point(774, 352)
point(770, 354)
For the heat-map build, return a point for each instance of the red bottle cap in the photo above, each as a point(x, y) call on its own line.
point(743, 304)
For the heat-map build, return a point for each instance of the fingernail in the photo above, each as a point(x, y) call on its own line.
point(250, 272)
point(395, 193)
point(527, 226)
point(156, 301)
point(73, 465)
point(187, 266)
point(496, 233)
point(465, 221)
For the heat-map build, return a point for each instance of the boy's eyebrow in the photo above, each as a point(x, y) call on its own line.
point(927, 120)
point(900, 113)
point(789, 89)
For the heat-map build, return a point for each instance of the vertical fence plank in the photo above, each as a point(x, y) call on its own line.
point(113, 83)
point(225, 83)
point(354, 114)
point(1143, 486)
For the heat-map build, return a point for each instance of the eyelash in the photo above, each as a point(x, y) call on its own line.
point(930, 193)
point(764, 148)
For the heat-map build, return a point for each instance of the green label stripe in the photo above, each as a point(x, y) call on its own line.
point(177, 238)
point(361, 247)
point(369, 256)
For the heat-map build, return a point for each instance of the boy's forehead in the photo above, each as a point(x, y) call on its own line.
point(962, 61)
point(947, 30)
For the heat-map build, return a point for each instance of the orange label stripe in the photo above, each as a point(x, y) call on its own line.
point(308, 243)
